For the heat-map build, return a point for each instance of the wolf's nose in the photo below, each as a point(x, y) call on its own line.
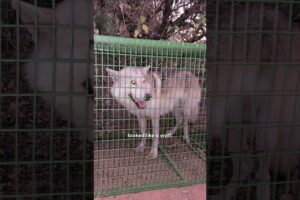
point(148, 97)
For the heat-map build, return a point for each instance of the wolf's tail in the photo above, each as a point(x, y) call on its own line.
point(191, 107)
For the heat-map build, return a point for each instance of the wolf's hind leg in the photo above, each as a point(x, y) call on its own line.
point(179, 121)
point(143, 127)
point(187, 112)
point(186, 131)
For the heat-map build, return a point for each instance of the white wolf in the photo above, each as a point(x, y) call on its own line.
point(145, 95)
point(58, 46)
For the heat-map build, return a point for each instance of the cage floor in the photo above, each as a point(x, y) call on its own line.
point(121, 169)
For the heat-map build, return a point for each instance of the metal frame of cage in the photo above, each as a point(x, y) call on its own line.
point(118, 168)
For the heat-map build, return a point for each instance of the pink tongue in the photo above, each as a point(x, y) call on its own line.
point(141, 104)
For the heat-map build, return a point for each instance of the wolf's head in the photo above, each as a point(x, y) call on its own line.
point(132, 86)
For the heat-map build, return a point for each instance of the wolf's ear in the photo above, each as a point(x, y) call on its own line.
point(28, 13)
point(113, 74)
point(146, 68)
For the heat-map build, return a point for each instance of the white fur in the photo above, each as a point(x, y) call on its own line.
point(160, 104)
point(62, 50)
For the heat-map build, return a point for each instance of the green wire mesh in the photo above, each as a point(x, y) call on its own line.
point(253, 100)
point(41, 155)
point(118, 168)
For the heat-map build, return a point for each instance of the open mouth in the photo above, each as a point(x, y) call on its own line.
point(138, 103)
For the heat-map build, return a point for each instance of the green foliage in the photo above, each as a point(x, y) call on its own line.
point(104, 23)
point(202, 18)
point(180, 20)
point(141, 28)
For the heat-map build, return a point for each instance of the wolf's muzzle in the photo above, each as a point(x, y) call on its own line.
point(138, 103)
point(132, 99)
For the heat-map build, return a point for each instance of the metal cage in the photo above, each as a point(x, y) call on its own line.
point(118, 167)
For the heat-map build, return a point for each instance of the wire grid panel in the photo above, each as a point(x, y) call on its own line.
point(134, 80)
point(253, 90)
point(43, 154)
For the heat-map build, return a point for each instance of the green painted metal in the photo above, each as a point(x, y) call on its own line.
point(170, 161)
point(147, 188)
point(110, 44)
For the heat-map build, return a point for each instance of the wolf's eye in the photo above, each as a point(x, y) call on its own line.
point(133, 82)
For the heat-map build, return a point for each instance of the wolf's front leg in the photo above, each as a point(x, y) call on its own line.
point(143, 127)
point(155, 140)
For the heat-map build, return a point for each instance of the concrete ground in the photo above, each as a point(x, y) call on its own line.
point(195, 192)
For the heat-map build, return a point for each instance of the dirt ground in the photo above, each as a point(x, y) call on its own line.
point(195, 192)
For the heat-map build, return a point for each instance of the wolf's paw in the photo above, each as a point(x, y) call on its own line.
point(153, 153)
point(170, 132)
point(187, 139)
point(140, 148)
